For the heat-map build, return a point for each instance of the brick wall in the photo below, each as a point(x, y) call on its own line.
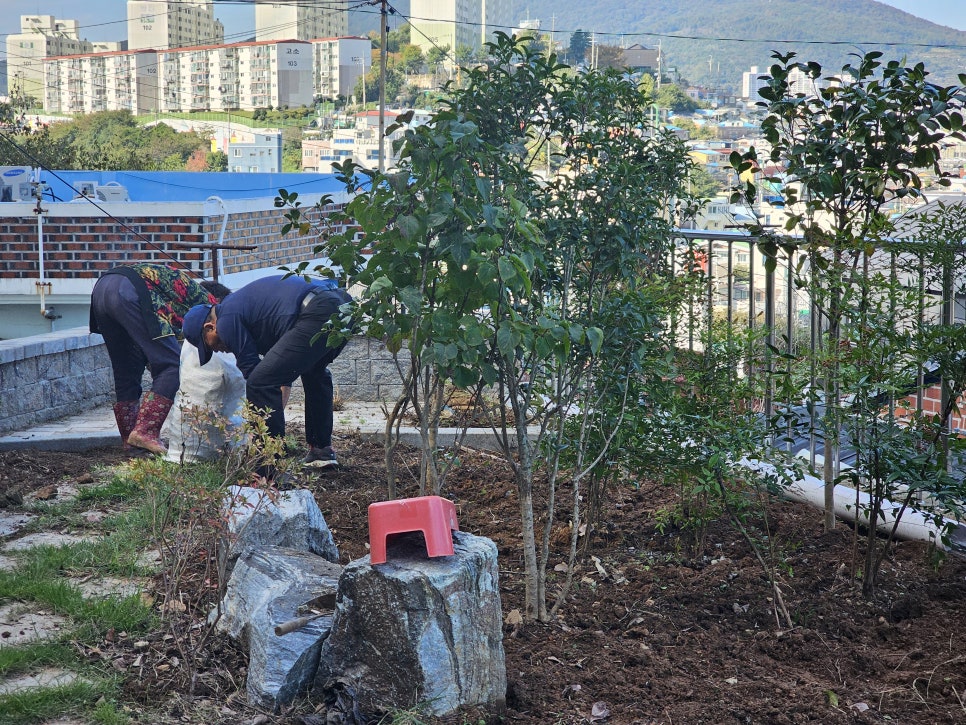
point(47, 377)
point(78, 245)
point(85, 247)
point(932, 405)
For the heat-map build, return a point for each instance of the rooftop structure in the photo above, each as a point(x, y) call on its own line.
point(164, 25)
point(40, 36)
point(285, 19)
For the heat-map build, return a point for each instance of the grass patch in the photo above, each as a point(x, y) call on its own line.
point(151, 504)
point(37, 654)
point(36, 705)
point(95, 615)
point(121, 487)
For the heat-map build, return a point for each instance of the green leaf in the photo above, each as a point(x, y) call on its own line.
point(409, 227)
point(464, 377)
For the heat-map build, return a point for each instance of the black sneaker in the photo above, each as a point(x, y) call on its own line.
point(322, 458)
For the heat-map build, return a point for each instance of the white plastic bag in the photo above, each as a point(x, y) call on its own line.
point(207, 410)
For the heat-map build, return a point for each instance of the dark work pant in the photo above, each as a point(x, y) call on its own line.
point(293, 356)
point(130, 346)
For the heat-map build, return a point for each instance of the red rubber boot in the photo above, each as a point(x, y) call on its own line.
point(147, 431)
point(126, 416)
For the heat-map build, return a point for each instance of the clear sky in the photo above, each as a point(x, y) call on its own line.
point(105, 19)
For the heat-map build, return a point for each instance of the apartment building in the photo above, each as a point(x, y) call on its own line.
point(40, 36)
point(457, 23)
point(111, 81)
point(338, 63)
point(221, 77)
point(359, 141)
point(298, 20)
point(161, 25)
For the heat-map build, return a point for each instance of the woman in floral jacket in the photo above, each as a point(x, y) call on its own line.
point(139, 309)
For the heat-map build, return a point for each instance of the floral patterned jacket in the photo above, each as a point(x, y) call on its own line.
point(165, 294)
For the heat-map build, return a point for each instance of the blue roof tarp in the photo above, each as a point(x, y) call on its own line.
point(190, 186)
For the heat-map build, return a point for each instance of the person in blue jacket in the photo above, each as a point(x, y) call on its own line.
point(269, 325)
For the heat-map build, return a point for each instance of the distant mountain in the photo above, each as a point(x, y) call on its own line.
point(713, 43)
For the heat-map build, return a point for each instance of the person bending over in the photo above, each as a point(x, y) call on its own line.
point(269, 325)
point(138, 309)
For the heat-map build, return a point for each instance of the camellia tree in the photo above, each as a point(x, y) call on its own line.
point(857, 142)
point(550, 295)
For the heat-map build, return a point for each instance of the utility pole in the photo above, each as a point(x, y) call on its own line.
point(383, 54)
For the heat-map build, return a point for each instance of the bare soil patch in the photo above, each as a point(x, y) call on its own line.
point(649, 635)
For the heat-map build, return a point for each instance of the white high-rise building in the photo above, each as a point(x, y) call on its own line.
point(40, 36)
point(338, 64)
point(299, 20)
point(751, 84)
point(172, 24)
point(457, 24)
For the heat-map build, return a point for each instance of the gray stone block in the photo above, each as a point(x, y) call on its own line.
point(268, 588)
point(290, 519)
point(53, 366)
point(344, 371)
point(419, 630)
point(10, 351)
point(26, 370)
point(384, 372)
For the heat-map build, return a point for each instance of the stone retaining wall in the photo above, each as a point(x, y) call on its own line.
point(48, 377)
point(51, 376)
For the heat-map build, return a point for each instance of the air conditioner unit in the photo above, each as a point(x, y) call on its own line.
point(84, 189)
point(112, 191)
point(15, 183)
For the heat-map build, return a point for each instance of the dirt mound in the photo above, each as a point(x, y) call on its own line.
point(653, 635)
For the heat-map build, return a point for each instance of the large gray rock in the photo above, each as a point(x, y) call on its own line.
point(258, 518)
point(418, 630)
point(267, 588)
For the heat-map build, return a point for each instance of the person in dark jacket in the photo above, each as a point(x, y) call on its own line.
point(138, 309)
point(269, 325)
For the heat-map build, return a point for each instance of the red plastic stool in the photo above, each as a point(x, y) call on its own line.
point(434, 516)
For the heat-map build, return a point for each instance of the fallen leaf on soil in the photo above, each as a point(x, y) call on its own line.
point(570, 689)
point(732, 680)
point(561, 567)
point(514, 617)
point(600, 567)
point(599, 711)
point(174, 605)
point(832, 698)
point(860, 707)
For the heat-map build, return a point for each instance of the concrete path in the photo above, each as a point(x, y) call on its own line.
point(96, 428)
